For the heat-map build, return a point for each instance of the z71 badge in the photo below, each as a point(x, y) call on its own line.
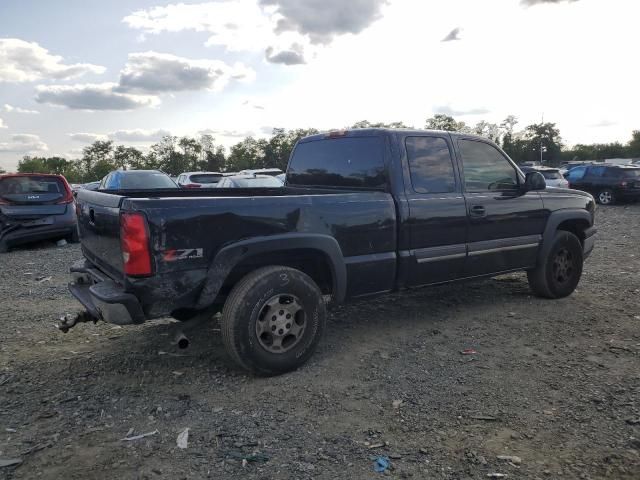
point(182, 254)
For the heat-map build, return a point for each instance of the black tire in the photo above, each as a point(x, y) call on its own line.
point(249, 309)
point(606, 197)
point(559, 272)
point(3, 248)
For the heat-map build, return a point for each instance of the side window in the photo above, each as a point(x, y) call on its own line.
point(576, 173)
point(339, 162)
point(611, 172)
point(597, 171)
point(430, 165)
point(485, 168)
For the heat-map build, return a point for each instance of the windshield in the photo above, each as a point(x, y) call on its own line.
point(206, 178)
point(31, 184)
point(267, 182)
point(146, 180)
point(631, 173)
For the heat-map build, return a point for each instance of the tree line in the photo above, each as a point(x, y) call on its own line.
point(175, 155)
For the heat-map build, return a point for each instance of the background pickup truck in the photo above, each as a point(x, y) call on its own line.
point(362, 212)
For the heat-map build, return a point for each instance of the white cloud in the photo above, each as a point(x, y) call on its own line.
point(12, 109)
point(95, 96)
point(228, 133)
point(153, 72)
point(22, 61)
point(459, 112)
point(255, 25)
point(291, 56)
point(323, 20)
point(24, 143)
point(87, 137)
point(139, 135)
point(133, 135)
point(235, 24)
point(2, 125)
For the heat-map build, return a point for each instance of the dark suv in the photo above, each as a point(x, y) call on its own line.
point(607, 183)
point(35, 207)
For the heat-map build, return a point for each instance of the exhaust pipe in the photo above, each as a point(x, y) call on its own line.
point(181, 340)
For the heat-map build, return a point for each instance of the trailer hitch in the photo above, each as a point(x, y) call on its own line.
point(70, 320)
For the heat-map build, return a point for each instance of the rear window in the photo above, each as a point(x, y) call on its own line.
point(205, 178)
point(551, 174)
point(340, 162)
point(146, 180)
point(631, 173)
point(31, 184)
point(268, 182)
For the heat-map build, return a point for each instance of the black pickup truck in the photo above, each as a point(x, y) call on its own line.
point(362, 212)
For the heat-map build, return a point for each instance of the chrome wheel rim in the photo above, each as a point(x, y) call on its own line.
point(605, 197)
point(563, 266)
point(281, 323)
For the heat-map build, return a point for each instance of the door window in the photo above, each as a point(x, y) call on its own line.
point(576, 174)
point(430, 165)
point(597, 171)
point(485, 168)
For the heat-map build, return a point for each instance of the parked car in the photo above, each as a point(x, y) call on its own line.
point(199, 179)
point(262, 171)
point(608, 183)
point(91, 185)
point(249, 181)
point(363, 212)
point(136, 180)
point(35, 207)
point(565, 167)
point(552, 176)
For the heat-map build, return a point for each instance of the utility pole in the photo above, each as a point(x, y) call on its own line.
point(541, 124)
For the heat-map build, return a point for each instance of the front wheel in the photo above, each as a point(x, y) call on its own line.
point(273, 320)
point(559, 272)
point(606, 197)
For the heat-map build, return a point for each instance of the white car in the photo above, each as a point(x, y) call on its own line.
point(199, 179)
point(262, 171)
point(552, 176)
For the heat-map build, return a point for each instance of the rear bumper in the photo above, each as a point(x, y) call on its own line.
point(16, 230)
point(22, 235)
point(103, 298)
point(589, 241)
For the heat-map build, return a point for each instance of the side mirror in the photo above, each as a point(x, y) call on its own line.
point(534, 181)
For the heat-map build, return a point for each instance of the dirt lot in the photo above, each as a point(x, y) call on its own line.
point(556, 383)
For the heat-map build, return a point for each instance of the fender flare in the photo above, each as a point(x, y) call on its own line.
point(554, 220)
point(230, 255)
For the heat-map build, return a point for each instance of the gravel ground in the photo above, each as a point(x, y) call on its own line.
point(555, 383)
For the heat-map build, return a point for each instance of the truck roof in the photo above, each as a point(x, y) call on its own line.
point(365, 132)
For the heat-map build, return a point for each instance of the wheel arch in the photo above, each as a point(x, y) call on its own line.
point(319, 256)
point(575, 221)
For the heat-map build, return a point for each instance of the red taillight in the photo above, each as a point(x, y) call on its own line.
point(134, 238)
point(68, 196)
point(192, 185)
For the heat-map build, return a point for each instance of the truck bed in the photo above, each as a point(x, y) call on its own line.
point(189, 227)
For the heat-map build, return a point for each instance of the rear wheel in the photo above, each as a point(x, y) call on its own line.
point(273, 320)
point(3, 248)
point(606, 197)
point(559, 272)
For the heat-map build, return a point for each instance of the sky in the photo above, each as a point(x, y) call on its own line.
point(74, 71)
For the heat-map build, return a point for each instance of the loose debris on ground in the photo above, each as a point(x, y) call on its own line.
point(554, 391)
